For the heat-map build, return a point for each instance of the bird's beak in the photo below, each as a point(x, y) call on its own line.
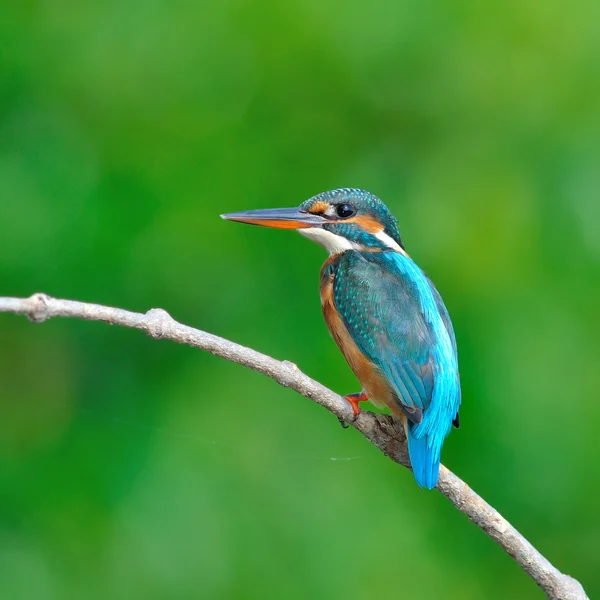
point(281, 218)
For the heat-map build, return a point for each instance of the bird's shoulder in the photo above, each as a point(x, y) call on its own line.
point(378, 277)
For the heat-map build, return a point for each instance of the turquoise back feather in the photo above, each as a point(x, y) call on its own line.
point(398, 320)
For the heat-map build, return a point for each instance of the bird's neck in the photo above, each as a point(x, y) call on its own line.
point(340, 238)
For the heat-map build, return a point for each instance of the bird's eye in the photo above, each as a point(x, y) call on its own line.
point(345, 211)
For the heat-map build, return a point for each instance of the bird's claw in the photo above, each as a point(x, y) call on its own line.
point(343, 423)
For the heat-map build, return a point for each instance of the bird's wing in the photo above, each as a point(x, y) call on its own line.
point(381, 308)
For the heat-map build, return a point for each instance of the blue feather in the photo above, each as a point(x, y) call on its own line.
point(398, 320)
point(425, 439)
point(425, 461)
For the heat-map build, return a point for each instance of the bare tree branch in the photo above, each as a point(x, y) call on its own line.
point(383, 431)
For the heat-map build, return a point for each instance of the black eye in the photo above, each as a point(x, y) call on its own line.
point(344, 211)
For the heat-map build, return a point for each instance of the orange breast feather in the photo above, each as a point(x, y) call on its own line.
point(374, 384)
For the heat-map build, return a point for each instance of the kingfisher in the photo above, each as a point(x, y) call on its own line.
point(385, 315)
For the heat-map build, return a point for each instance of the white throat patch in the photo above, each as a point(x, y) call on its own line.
point(389, 242)
point(334, 244)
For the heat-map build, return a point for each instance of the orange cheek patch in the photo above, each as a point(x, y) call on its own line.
point(318, 208)
point(367, 223)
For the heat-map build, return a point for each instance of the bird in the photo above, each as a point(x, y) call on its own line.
point(384, 313)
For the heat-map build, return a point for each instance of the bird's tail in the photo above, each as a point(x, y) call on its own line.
point(424, 457)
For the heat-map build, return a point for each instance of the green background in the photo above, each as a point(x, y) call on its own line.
point(132, 468)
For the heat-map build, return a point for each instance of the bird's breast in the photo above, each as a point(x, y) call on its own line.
point(373, 382)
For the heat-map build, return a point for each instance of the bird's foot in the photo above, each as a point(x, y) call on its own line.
point(354, 399)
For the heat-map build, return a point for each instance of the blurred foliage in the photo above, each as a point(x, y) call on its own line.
point(131, 468)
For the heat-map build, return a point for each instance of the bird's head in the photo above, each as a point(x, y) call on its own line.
point(340, 220)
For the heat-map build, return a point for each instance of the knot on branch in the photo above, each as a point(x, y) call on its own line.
point(38, 308)
point(290, 370)
point(393, 439)
point(158, 323)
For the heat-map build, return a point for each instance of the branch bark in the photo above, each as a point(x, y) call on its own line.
point(381, 430)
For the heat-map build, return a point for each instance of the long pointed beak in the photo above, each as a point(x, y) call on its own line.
point(281, 218)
